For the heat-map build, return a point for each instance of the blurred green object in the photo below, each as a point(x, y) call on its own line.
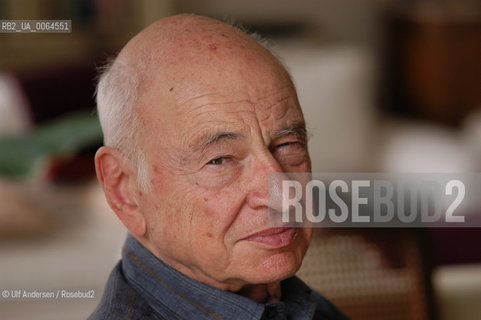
point(22, 155)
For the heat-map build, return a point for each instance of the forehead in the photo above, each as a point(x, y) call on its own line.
point(263, 103)
point(266, 113)
point(216, 87)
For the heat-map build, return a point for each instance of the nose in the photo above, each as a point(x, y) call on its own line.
point(265, 184)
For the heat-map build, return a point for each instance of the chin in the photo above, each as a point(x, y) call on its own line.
point(261, 266)
point(277, 267)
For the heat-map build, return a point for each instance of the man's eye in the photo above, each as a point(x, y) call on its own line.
point(218, 161)
point(290, 143)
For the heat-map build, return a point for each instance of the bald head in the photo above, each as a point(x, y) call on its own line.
point(166, 59)
point(179, 43)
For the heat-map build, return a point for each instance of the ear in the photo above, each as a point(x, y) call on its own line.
point(117, 179)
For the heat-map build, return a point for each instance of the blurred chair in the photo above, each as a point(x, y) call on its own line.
point(371, 274)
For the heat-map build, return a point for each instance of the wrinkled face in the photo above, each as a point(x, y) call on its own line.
point(211, 150)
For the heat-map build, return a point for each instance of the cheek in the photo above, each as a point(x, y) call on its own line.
point(196, 216)
point(218, 211)
point(168, 213)
point(193, 213)
point(216, 179)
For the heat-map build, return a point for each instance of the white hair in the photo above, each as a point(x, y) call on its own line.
point(116, 94)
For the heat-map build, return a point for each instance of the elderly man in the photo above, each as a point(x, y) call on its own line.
point(196, 116)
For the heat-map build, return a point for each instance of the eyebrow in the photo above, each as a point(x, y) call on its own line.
point(297, 129)
point(213, 138)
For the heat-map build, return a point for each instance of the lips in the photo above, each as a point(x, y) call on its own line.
point(273, 237)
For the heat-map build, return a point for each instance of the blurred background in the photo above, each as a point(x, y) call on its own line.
point(386, 85)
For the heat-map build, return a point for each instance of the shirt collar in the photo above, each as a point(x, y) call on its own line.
point(177, 296)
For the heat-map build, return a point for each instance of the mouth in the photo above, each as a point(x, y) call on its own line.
point(273, 237)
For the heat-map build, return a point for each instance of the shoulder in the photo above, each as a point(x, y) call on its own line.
point(121, 301)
